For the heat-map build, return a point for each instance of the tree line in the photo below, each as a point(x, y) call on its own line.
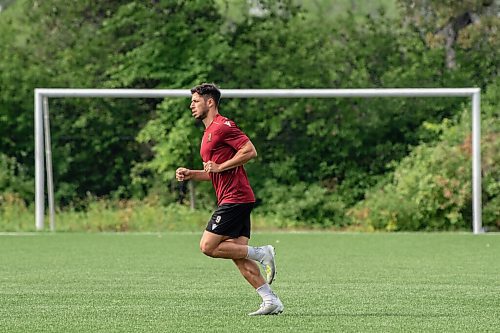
point(395, 164)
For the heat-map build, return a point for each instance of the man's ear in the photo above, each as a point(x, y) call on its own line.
point(210, 102)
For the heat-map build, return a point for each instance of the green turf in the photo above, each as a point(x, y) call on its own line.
point(327, 281)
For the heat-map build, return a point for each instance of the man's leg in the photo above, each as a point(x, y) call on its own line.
point(218, 246)
point(234, 219)
point(248, 268)
point(237, 249)
point(271, 304)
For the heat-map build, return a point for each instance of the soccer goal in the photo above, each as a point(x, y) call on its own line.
point(43, 154)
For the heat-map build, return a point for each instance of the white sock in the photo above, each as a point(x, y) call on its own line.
point(266, 293)
point(255, 253)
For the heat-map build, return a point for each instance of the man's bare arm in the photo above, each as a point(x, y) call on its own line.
point(186, 174)
point(242, 156)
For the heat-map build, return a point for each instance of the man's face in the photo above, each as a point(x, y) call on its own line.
point(199, 106)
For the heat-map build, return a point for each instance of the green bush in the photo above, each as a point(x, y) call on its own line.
point(14, 179)
point(431, 188)
point(302, 205)
point(429, 191)
point(490, 157)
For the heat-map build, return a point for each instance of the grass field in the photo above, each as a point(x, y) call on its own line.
point(329, 282)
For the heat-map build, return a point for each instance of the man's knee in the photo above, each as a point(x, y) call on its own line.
point(207, 248)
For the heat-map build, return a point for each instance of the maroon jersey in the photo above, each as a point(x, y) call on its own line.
point(221, 140)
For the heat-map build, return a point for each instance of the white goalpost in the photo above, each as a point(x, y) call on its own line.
point(43, 142)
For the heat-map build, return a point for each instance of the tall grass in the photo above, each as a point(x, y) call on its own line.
point(118, 216)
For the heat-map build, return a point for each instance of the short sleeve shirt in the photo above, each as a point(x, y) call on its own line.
point(220, 142)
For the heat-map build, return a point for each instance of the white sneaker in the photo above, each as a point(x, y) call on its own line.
point(273, 308)
point(268, 263)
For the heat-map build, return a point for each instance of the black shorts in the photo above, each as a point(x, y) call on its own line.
point(231, 219)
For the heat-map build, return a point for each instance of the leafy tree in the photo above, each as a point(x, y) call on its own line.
point(343, 144)
point(110, 44)
point(453, 24)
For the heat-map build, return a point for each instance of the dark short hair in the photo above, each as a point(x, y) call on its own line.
point(207, 90)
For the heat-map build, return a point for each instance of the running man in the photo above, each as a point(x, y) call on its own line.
point(224, 150)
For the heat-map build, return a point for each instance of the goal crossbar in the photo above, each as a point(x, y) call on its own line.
point(42, 126)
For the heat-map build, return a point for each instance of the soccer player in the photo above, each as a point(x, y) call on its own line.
point(224, 150)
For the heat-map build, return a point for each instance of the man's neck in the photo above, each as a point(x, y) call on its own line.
point(210, 117)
